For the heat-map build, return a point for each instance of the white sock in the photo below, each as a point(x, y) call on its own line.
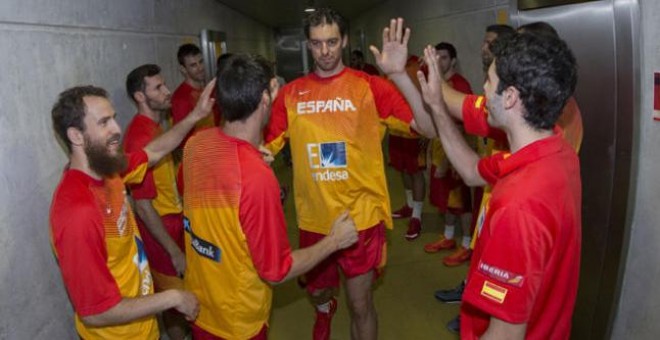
point(449, 231)
point(466, 242)
point(323, 308)
point(409, 198)
point(417, 209)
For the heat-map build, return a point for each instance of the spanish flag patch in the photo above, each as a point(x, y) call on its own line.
point(494, 292)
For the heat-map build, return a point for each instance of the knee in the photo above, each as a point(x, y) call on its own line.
point(361, 307)
point(321, 296)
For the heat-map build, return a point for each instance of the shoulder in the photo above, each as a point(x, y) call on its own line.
point(72, 199)
point(255, 173)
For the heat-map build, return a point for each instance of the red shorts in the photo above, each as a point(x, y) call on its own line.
point(449, 193)
point(200, 334)
point(368, 253)
point(159, 258)
point(406, 155)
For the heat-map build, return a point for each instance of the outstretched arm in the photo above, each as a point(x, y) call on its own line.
point(392, 61)
point(461, 156)
point(130, 309)
point(343, 235)
point(166, 142)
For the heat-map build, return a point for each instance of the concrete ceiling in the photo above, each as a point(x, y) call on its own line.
point(289, 13)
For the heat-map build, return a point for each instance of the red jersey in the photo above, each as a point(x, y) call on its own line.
point(184, 100)
point(525, 265)
point(458, 83)
point(99, 249)
point(159, 186)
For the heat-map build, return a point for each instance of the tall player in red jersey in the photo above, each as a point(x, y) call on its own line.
point(334, 120)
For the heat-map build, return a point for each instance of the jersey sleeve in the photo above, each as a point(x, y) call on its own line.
point(511, 267)
point(264, 226)
point(136, 139)
point(489, 167)
point(275, 133)
point(393, 109)
point(78, 242)
point(138, 164)
point(475, 119)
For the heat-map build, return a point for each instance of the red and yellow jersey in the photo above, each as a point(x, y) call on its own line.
point(159, 184)
point(99, 250)
point(335, 126)
point(235, 234)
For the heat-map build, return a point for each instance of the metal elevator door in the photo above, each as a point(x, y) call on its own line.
point(603, 34)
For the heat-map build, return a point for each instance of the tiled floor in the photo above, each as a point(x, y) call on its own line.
point(403, 296)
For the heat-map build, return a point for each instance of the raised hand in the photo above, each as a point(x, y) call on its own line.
point(392, 58)
point(205, 103)
point(431, 87)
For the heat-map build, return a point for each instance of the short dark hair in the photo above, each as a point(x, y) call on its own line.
point(539, 27)
point(447, 47)
point(241, 84)
point(70, 109)
point(135, 79)
point(325, 16)
point(501, 30)
point(222, 61)
point(543, 70)
point(187, 50)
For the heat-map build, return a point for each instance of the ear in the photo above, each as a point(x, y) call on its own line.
point(139, 97)
point(344, 41)
point(265, 98)
point(75, 136)
point(511, 97)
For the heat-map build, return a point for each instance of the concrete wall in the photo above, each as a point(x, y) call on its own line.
point(638, 315)
point(46, 48)
point(461, 23)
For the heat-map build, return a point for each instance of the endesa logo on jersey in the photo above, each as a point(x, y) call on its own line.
point(328, 161)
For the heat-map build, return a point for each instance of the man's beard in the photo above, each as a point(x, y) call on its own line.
point(101, 161)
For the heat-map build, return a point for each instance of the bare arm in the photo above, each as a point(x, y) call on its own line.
point(453, 100)
point(342, 235)
point(392, 61)
point(154, 224)
point(461, 156)
point(166, 142)
point(498, 329)
point(130, 309)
